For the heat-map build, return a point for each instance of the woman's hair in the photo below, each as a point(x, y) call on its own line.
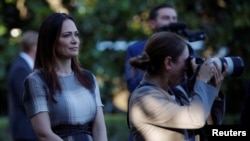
point(45, 60)
point(158, 47)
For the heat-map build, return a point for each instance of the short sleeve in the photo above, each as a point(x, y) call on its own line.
point(35, 95)
point(97, 93)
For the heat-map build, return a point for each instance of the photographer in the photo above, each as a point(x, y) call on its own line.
point(163, 17)
point(155, 111)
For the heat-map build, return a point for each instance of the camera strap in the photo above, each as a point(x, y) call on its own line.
point(191, 80)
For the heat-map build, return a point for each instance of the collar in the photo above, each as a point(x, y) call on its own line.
point(27, 58)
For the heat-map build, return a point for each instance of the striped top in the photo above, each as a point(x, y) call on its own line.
point(75, 104)
point(156, 116)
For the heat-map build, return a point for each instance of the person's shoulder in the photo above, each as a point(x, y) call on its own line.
point(89, 74)
point(18, 62)
point(137, 43)
point(36, 74)
point(86, 71)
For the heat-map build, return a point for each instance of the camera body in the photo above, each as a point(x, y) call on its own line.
point(181, 29)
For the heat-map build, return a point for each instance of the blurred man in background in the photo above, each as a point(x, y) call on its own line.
point(159, 16)
point(19, 125)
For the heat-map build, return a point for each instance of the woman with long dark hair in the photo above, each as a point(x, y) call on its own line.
point(61, 98)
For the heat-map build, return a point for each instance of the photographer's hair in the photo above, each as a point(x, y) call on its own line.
point(158, 47)
point(45, 60)
point(154, 11)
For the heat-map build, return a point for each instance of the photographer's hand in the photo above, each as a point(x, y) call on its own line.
point(218, 75)
point(206, 71)
point(194, 65)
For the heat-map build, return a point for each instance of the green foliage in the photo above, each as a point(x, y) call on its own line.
point(117, 127)
point(4, 135)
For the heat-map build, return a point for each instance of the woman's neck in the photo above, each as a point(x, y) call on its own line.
point(158, 80)
point(64, 68)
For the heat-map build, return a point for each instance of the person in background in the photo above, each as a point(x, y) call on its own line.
point(160, 15)
point(19, 124)
point(61, 98)
point(155, 112)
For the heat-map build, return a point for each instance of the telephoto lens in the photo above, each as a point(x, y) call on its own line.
point(235, 68)
point(235, 65)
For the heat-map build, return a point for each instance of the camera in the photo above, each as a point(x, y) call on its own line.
point(181, 29)
point(235, 68)
point(235, 65)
